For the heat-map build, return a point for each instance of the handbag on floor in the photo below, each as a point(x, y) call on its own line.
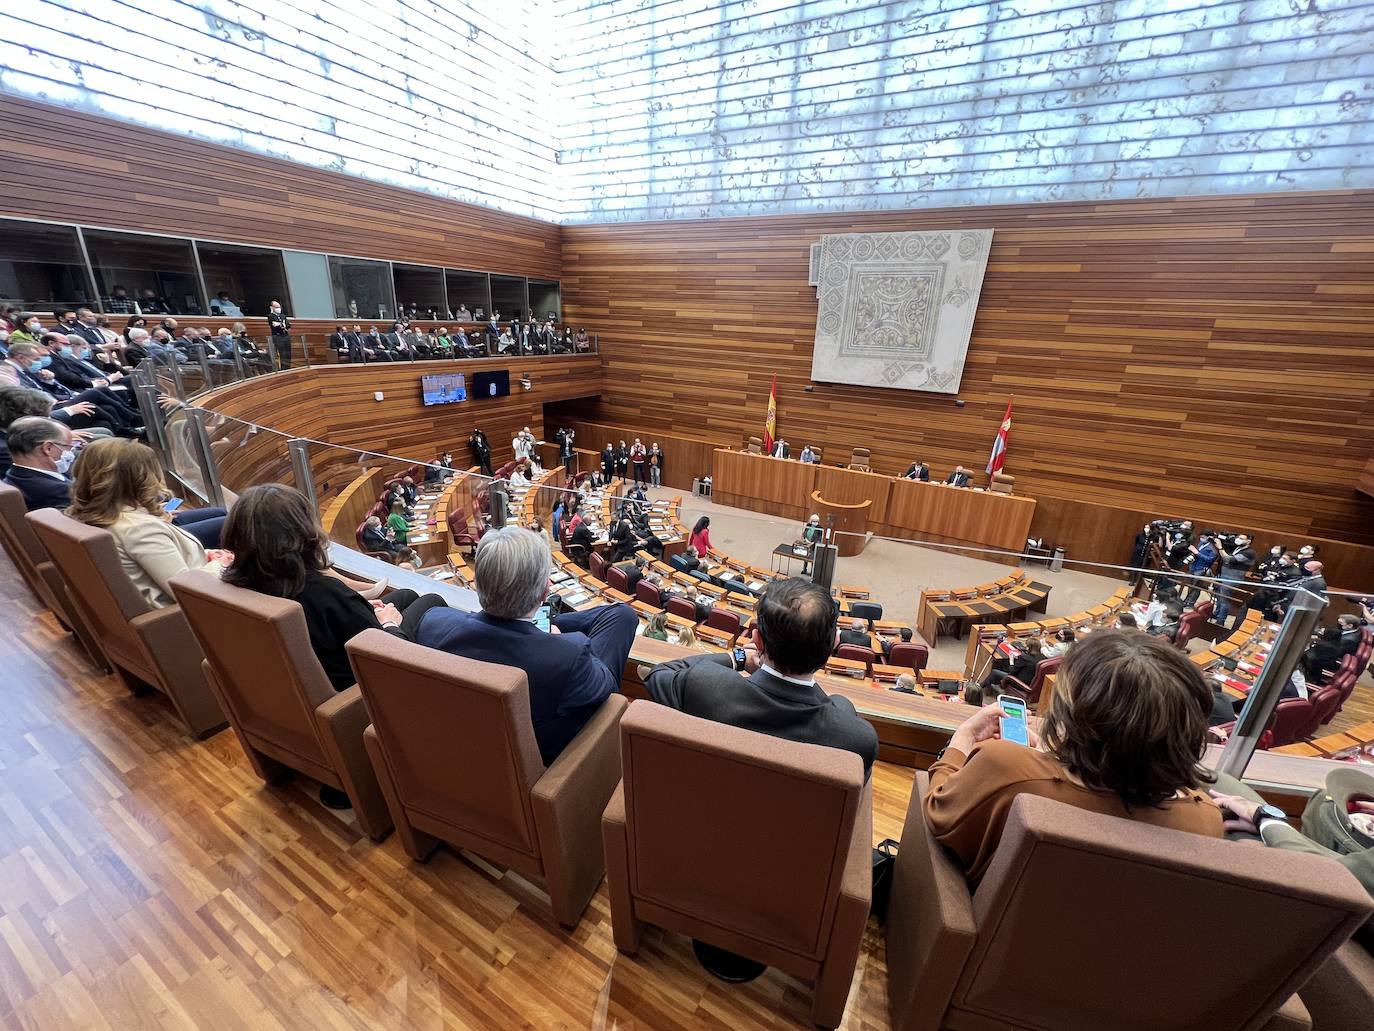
point(884, 859)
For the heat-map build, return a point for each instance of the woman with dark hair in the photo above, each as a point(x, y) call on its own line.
point(280, 549)
point(1124, 735)
point(1032, 653)
point(701, 535)
point(135, 322)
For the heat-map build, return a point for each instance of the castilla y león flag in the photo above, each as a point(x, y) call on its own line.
point(770, 424)
point(999, 444)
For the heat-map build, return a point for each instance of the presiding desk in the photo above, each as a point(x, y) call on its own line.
point(897, 507)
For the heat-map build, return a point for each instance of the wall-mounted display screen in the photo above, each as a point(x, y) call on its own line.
point(490, 384)
point(444, 388)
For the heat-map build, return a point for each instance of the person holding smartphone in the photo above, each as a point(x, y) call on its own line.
point(1123, 736)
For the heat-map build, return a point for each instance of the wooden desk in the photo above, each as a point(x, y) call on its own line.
point(991, 608)
point(907, 509)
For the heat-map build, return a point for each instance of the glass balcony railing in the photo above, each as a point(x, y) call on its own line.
point(428, 542)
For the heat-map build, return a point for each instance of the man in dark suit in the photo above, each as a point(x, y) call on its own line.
point(571, 670)
point(624, 543)
point(781, 449)
point(917, 471)
point(1350, 633)
point(793, 636)
point(41, 453)
point(481, 451)
point(608, 462)
point(338, 343)
point(86, 326)
point(857, 634)
point(280, 328)
point(397, 344)
point(86, 409)
point(959, 478)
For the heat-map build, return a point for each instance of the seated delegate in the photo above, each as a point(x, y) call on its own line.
point(119, 488)
point(279, 548)
point(1124, 735)
point(794, 633)
point(571, 669)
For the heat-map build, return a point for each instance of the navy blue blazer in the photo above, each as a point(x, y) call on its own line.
point(39, 489)
point(567, 681)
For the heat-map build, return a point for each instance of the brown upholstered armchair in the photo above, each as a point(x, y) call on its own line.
point(1089, 921)
point(747, 842)
point(259, 662)
point(146, 646)
point(454, 750)
point(1001, 483)
point(42, 577)
point(860, 458)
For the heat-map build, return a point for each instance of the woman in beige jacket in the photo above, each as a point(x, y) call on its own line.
point(119, 488)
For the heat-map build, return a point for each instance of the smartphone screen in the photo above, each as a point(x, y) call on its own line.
point(172, 506)
point(739, 657)
point(1013, 723)
point(541, 618)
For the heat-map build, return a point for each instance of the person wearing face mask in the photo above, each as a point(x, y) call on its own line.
point(280, 327)
point(30, 330)
point(69, 365)
point(41, 452)
point(27, 366)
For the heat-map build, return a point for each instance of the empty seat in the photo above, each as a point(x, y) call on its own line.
point(858, 653)
point(41, 576)
point(145, 646)
point(598, 565)
point(648, 594)
point(683, 607)
point(1002, 483)
point(1291, 716)
point(282, 707)
point(725, 619)
point(455, 753)
point(699, 803)
point(859, 459)
point(908, 653)
point(866, 610)
point(1073, 900)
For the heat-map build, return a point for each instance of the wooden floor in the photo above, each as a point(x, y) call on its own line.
point(151, 881)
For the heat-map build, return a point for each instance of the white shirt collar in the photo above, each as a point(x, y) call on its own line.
point(800, 681)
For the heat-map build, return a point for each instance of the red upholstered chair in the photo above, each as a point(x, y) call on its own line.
point(1225, 730)
point(858, 653)
point(959, 960)
point(1031, 691)
point(725, 619)
point(696, 800)
point(1188, 625)
point(598, 566)
point(1205, 609)
point(617, 579)
point(683, 607)
point(460, 530)
point(648, 594)
point(1325, 701)
point(910, 654)
point(1291, 715)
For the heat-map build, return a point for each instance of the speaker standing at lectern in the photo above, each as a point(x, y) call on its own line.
point(811, 534)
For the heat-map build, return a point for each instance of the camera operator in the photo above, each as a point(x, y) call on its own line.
point(1237, 558)
point(1201, 560)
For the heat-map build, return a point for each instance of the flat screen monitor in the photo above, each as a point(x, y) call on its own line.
point(443, 388)
point(491, 384)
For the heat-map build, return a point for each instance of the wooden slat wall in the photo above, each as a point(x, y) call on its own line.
point(1208, 357)
point(68, 166)
point(335, 404)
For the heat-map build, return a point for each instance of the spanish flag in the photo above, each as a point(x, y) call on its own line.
point(770, 424)
point(1000, 442)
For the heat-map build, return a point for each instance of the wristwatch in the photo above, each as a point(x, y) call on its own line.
point(1269, 812)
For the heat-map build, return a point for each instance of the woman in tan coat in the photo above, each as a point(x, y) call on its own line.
point(119, 488)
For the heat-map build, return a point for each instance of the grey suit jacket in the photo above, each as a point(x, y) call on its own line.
point(708, 686)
